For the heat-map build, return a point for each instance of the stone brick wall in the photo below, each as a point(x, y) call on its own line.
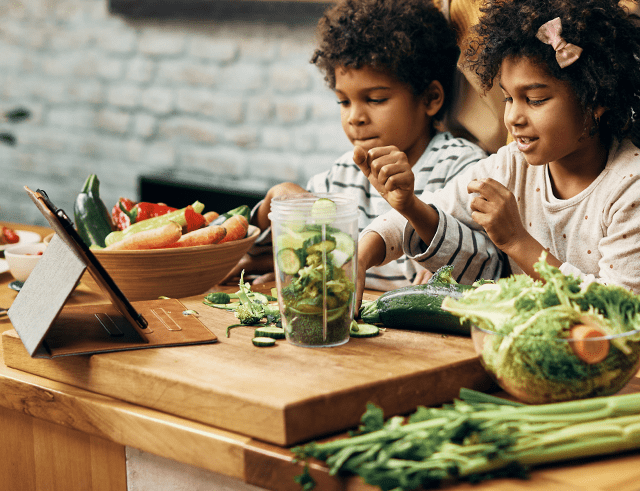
point(229, 100)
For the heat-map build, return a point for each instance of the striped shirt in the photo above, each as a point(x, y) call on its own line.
point(444, 158)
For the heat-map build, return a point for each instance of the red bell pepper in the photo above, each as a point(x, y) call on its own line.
point(121, 213)
point(127, 212)
point(194, 219)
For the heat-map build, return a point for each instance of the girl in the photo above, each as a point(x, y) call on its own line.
point(570, 182)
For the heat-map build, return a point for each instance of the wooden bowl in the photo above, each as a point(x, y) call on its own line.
point(175, 273)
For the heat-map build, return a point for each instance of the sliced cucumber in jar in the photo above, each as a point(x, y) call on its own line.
point(323, 210)
point(295, 240)
point(326, 246)
point(345, 243)
point(289, 261)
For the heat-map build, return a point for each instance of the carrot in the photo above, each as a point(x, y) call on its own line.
point(210, 216)
point(236, 226)
point(585, 347)
point(203, 236)
point(154, 238)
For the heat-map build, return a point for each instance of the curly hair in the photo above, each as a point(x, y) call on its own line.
point(607, 74)
point(408, 39)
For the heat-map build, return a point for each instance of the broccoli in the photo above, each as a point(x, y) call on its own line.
point(249, 314)
point(548, 309)
point(443, 275)
point(253, 311)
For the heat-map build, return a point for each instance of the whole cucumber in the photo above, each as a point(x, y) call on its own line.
point(416, 307)
point(92, 219)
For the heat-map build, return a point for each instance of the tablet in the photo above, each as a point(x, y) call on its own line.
point(64, 228)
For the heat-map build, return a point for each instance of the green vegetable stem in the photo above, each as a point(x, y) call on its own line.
point(92, 219)
point(475, 440)
point(243, 210)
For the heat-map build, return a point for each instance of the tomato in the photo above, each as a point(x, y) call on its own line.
point(9, 236)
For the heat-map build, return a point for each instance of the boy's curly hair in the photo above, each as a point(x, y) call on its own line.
point(408, 39)
point(607, 73)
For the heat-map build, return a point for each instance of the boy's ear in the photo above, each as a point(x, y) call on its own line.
point(433, 98)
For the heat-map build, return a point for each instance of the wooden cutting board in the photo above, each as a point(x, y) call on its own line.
point(282, 394)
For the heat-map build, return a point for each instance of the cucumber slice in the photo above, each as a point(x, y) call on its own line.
point(296, 221)
point(323, 210)
point(363, 330)
point(339, 258)
point(289, 261)
point(296, 240)
point(324, 245)
point(345, 243)
point(270, 332)
point(263, 341)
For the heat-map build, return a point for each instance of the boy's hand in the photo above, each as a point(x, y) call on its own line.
point(371, 252)
point(389, 172)
point(495, 209)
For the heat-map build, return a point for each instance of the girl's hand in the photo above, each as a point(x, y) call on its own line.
point(389, 172)
point(495, 209)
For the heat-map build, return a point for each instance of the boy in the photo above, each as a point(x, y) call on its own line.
point(391, 65)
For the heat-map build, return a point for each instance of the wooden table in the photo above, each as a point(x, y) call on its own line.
point(56, 436)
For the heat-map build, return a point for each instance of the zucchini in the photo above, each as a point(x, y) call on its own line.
point(243, 210)
point(417, 307)
point(92, 219)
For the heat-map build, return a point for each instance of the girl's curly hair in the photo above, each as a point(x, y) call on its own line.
point(607, 74)
point(409, 39)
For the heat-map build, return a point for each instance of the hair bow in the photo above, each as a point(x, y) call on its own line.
point(549, 33)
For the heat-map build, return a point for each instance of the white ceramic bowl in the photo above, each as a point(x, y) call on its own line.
point(22, 258)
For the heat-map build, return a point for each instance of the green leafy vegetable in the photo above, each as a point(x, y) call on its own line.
point(530, 316)
point(477, 439)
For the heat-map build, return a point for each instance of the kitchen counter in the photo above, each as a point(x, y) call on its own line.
point(63, 437)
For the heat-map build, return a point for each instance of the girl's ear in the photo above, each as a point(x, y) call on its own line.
point(433, 98)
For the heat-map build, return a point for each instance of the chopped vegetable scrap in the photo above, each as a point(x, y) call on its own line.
point(248, 306)
point(529, 316)
point(478, 437)
point(360, 330)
